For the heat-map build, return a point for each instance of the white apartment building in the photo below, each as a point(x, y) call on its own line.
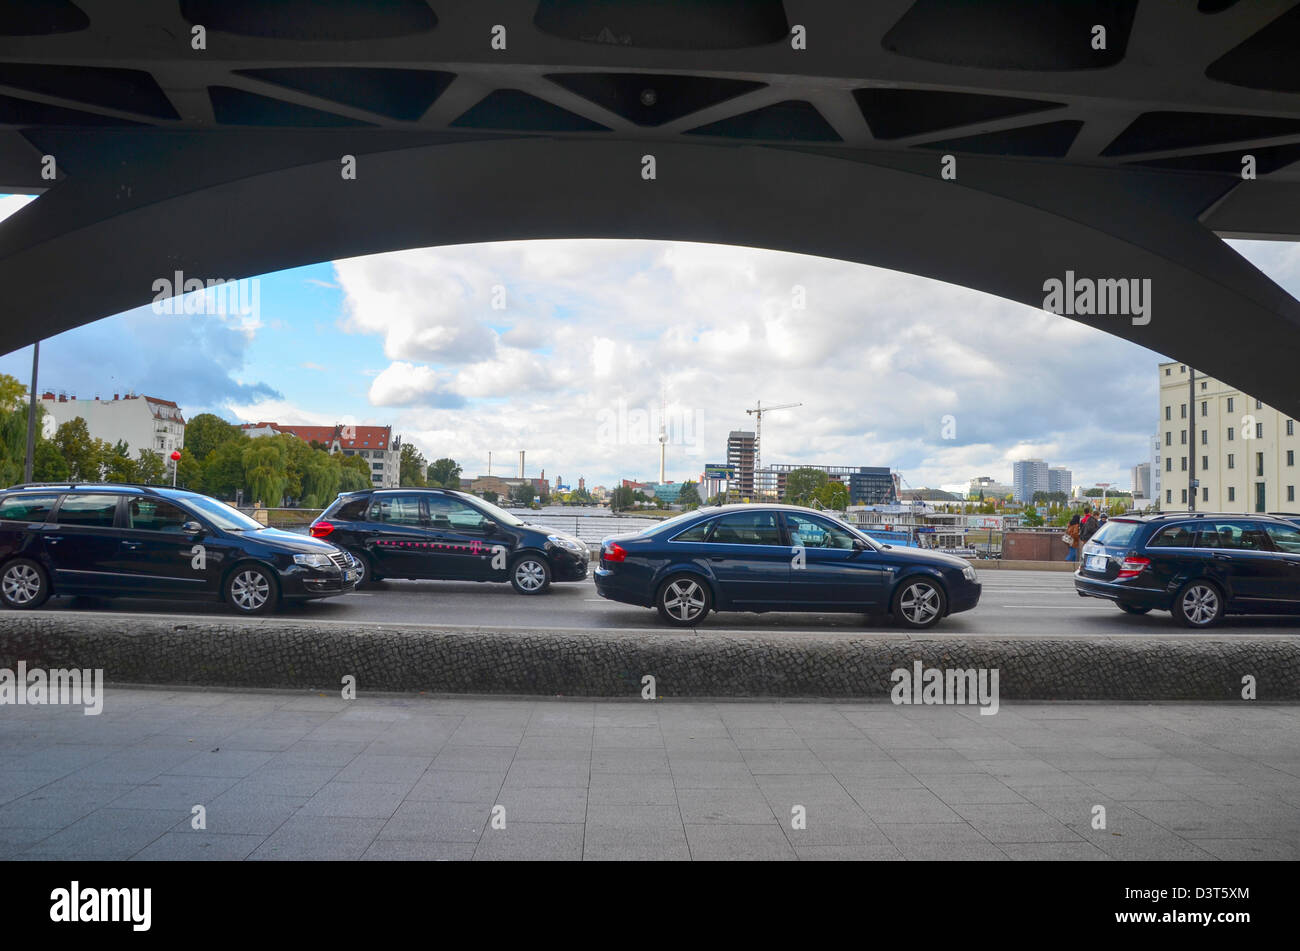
point(376, 444)
point(1244, 451)
point(142, 422)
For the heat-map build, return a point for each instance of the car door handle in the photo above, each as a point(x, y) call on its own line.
point(131, 545)
point(1223, 557)
point(54, 539)
point(717, 558)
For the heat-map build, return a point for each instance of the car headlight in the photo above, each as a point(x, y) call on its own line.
point(969, 574)
point(568, 544)
point(313, 561)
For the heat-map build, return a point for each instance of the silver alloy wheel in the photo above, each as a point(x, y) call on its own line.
point(250, 589)
point(919, 603)
point(1200, 604)
point(22, 583)
point(360, 568)
point(530, 574)
point(684, 599)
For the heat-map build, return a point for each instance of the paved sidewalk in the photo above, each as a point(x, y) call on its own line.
point(285, 775)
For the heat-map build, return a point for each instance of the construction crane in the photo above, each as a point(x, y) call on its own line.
point(757, 412)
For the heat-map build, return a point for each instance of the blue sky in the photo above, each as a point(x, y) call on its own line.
point(566, 349)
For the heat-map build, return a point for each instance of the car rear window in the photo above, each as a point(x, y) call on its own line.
point(353, 511)
point(27, 508)
point(1116, 533)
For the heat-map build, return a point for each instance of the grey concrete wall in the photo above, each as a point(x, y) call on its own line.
point(282, 652)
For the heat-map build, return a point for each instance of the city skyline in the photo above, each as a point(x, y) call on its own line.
point(412, 339)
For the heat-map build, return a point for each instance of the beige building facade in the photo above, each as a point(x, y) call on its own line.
point(1244, 451)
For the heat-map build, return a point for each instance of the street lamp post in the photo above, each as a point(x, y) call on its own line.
point(31, 417)
point(1192, 484)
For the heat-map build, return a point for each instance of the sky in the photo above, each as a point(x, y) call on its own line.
point(568, 350)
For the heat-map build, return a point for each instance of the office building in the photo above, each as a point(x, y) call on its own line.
point(1244, 451)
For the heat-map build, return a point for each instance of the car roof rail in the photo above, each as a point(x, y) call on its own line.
point(89, 485)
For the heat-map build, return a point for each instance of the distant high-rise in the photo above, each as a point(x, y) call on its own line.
point(1027, 477)
point(1059, 479)
point(740, 455)
point(1142, 481)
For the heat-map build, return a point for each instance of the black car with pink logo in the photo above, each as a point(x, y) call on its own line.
point(446, 535)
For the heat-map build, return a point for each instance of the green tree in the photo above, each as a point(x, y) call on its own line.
point(223, 469)
point(189, 472)
point(152, 468)
point(355, 474)
point(82, 453)
point(490, 496)
point(266, 470)
point(413, 466)
point(446, 473)
point(801, 485)
point(522, 493)
point(49, 464)
point(321, 476)
point(833, 495)
point(689, 497)
point(206, 432)
point(117, 464)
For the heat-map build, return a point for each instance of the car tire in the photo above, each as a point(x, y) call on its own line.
point(1198, 604)
point(1133, 609)
point(252, 589)
point(919, 603)
point(530, 574)
point(24, 585)
point(367, 564)
point(684, 600)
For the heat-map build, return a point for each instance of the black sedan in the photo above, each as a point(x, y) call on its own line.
point(442, 534)
point(779, 558)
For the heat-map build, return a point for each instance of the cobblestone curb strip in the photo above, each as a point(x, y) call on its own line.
point(284, 653)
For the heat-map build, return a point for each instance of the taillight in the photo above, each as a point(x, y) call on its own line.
point(321, 529)
point(613, 552)
point(1132, 566)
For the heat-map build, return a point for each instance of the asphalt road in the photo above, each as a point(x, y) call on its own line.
point(1013, 603)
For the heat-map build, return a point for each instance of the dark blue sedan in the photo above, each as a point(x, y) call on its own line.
point(779, 558)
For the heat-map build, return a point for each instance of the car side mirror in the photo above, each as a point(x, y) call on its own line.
point(489, 527)
point(860, 545)
point(192, 528)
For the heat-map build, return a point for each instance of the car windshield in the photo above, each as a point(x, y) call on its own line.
point(498, 513)
point(220, 514)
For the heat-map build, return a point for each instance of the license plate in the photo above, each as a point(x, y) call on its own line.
point(1096, 562)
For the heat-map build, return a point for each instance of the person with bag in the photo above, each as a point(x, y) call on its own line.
point(1088, 525)
point(1071, 538)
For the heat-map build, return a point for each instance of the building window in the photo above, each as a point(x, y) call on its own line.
point(1229, 404)
point(1259, 404)
point(1182, 410)
point(1184, 496)
point(1205, 408)
point(1169, 493)
point(1290, 457)
point(1290, 493)
point(1259, 463)
point(1183, 369)
point(1259, 430)
point(1232, 461)
point(1182, 437)
point(1205, 463)
point(1166, 371)
point(1169, 463)
point(1205, 437)
point(1169, 412)
point(1232, 434)
point(1290, 427)
point(1184, 466)
point(1204, 385)
point(1232, 494)
point(1169, 438)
